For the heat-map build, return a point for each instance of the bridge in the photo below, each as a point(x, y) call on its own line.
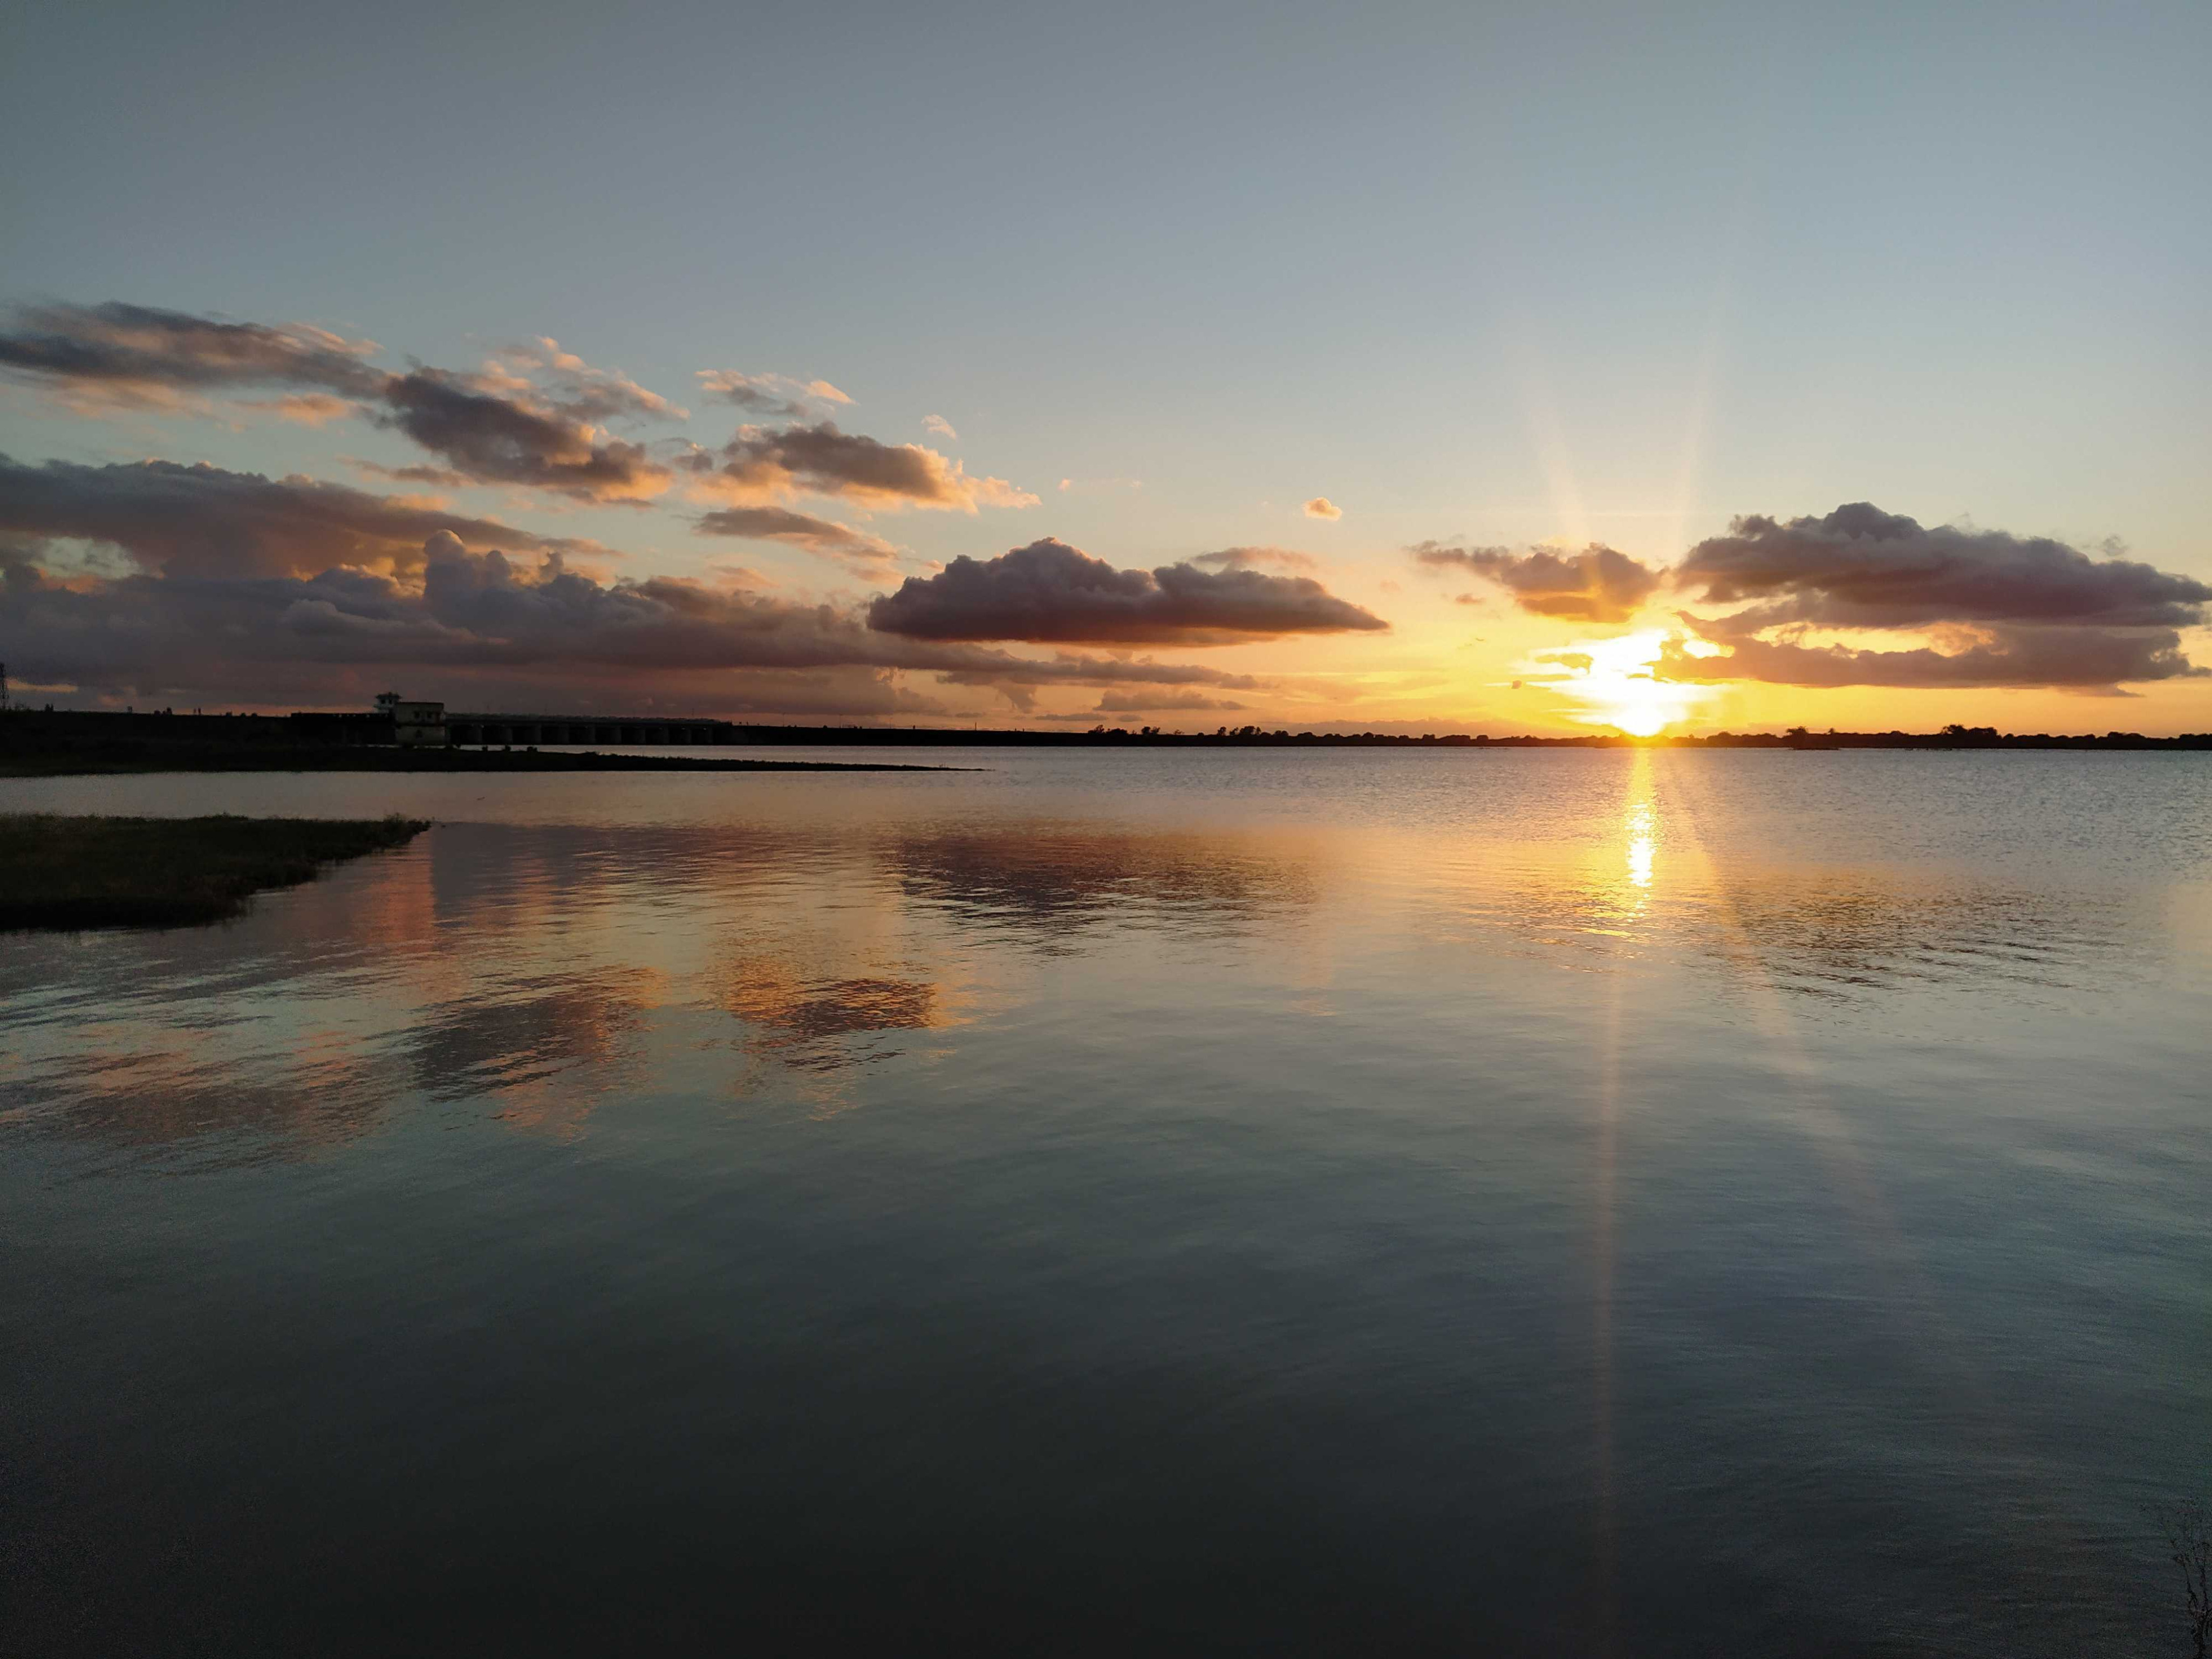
point(594, 731)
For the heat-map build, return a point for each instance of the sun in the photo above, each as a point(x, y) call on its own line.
point(1638, 709)
point(1615, 682)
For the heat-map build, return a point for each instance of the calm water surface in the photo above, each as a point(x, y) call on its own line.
point(1651, 1203)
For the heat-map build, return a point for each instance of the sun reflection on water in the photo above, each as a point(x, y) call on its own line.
point(1643, 842)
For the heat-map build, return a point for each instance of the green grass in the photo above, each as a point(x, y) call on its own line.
point(75, 873)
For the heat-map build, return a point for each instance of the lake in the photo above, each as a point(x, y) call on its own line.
point(1545, 1202)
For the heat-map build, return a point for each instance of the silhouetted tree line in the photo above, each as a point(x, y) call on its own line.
point(62, 726)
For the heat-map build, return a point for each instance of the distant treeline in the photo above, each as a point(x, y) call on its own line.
point(1253, 737)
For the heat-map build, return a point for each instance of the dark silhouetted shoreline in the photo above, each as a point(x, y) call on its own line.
point(61, 743)
point(1255, 737)
point(68, 743)
point(70, 874)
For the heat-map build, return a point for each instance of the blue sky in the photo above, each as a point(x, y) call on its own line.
point(1513, 276)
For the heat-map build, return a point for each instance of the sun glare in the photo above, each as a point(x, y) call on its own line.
point(1613, 680)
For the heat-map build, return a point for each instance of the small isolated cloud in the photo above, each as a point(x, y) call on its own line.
point(1596, 584)
point(315, 409)
point(1254, 558)
point(2009, 610)
point(777, 524)
point(776, 396)
point(764, 465)
point(941, 427)
point(1321, 507)
point(1050, 591)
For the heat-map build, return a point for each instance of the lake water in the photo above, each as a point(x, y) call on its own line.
point(1523, 1202)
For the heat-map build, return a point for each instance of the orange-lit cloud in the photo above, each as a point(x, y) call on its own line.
point(1321, 507)
point(777, 396)
point(1253, 558)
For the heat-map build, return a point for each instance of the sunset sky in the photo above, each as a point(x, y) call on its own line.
point(1432, 367)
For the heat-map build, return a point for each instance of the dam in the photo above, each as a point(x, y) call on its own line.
point(592, 731)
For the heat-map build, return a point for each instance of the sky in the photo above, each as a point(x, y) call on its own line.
point(1417, 368)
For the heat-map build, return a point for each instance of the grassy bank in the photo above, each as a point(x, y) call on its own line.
point(72, 872)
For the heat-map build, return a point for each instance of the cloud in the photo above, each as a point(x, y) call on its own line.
point(1096, 486)
point(2015, 611)
point(493, 438)
point(237, 629)
point(438, 477)
point(1596, 584)
point(1321, 507)
point(315, 409)
point(549, 378)
point(1861, 568)
point(777, 396)
point(941, 427)
point(1050, 591)
point(1249, 558)
point(203, 521)
point(777, 524)
point(2068, 659)
point(142, 355)
point(1143, 703)
point(764, 465)
point(533, 415)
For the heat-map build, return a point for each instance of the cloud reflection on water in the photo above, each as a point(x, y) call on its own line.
point(542, 972)
point(1046, 884)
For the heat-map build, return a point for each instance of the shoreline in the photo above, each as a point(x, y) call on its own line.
point(71, 873)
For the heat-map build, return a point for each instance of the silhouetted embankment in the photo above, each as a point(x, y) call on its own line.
point(53, 743)
point(70, 743)
point(75, 873)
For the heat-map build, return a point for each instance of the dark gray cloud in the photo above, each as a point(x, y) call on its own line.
point(533, 416)
point(777, 524)
point(485, 619)
point(1597, 585)
point(2019, 610)
point(766, 465)
point(1859, 567)
point(1050, 591)
point(492, 438)
point(201, 520)
point(144, 353)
